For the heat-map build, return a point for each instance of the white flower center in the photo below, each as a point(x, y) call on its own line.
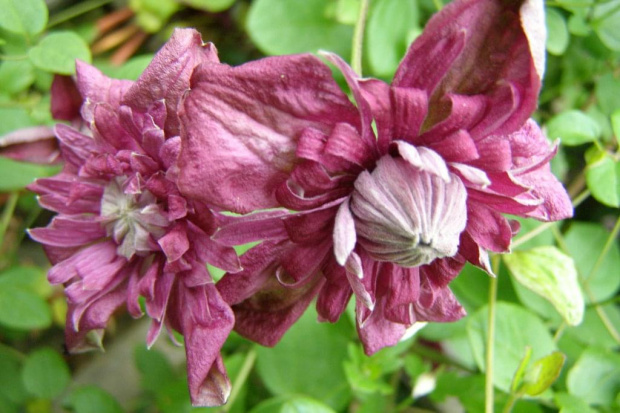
point(131, 219)
point(408, 214)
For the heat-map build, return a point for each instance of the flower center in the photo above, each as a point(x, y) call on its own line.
point(407, 214)
point(130, 219)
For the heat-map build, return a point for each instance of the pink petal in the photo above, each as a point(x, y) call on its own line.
point(475, 47)
point(227, 112)
point(65, 98)
point(167, 76)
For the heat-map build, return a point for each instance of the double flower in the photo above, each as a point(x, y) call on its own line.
point(384, 199)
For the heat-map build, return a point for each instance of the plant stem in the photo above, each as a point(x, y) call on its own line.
point(510, 403)
point(438, 4)
point(7, 214)
point(358, 38)
point(610, 241)
point(241, 378)
point(584, 281)
point(488, 385)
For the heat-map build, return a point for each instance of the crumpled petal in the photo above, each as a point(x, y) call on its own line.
point(167, 76)
point(477, 46)
point(250, 136)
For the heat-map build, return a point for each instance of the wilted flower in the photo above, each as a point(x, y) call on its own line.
point(123, 229)
point(391, 196)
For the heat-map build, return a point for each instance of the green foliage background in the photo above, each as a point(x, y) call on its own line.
point(549, 353)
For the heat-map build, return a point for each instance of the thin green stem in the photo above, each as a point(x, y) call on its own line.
point(358, 38)
point(585, 285)
point(511, 402)
point(559, 332)
point(488, 385)
point(532, 234)
point(580, 198)
point(599, 261)
point(543, 227)
point(75, 11)
point(7, 214)
point(241, 378)
point(28, 222)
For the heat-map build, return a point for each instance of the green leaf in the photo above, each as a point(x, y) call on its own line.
point(603, 176)
point(585, 241)
point(17, 175)
point(155, 369)
point(468, 389)
point(15, 76)
point(551, 274)
point(593, 331)
point(557, 32)
point(308, 360)
point(13, 118)
point(365, 374)
point(571, 404)
point(57, 52)
point(11, 388)
point(516, 328)
point(152, 15)
point(606, 23)
point(292, 404)
point(23, 310)
point(27, 17)
point(574, 128)
point(26, 277)
point(91, 399)
point(615, 124)
point(344, 11)
point(595, 376)
point(607, 91)
point(213, 6)
point(45, 373)
point(387, 38)
point(294, 26)
point(543, 373)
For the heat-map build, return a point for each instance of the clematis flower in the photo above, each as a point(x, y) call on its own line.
point(124, 230)
point(385, 199)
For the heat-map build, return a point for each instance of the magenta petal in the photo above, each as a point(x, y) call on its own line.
point(335, 294)
point(175, 243)
point(65, 98)
point(474, 47)
point(35, 144)
point(377, 331)
point(344, 233)
point(69, 232)
point(250, 136)
point(95, 87)
point(531, 154)
point(488, 228)
point(252, 227)
point(205, 321)
point(167, 76)
point(94, 318)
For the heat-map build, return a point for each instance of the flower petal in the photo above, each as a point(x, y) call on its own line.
point(239, 141)
point(475, 47)
point(167, 76)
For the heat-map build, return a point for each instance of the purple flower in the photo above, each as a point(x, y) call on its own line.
point(391, 196)
point(124, 230)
